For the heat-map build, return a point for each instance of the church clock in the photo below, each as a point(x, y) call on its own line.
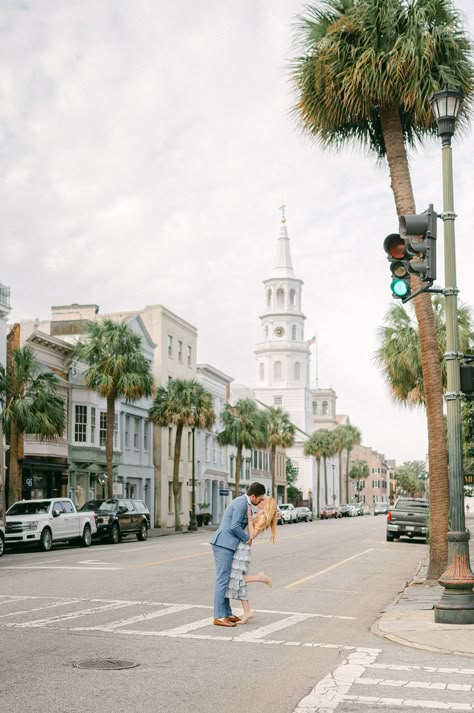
point(279, 332)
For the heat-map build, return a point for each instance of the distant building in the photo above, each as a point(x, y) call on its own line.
point(377, 487)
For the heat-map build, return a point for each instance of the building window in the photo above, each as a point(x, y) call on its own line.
point(325, 408)
point(277, 400)
point(190, 445)
point(266, 331)
point(262, 372)
point(127, 432)
point(136, 433)
point(80, 424)
point(170, 345)
point(93, 425)
point(189, 356)
point(206, 448)
point(315, 408)
point(214, 454)
point(269, 298)
point(293, 332)
point(170, 498)
point(255, 459)
point(278, 370)
point(280, 297)
point(170, 442)
point(297, 371)
point(247, 468)
point(146, 425)
point(102, 429)
point(180, 352)
point(292, 298)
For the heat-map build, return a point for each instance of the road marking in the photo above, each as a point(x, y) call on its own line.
point(37, 623)
point(173, 559)
point(328, 569)
point(429, 669)
point(186, 628)
point(94, 562)
point(333, 688)
point(49, 606)
point(134, 619)
point(64, 567)
point(271, 628)
point(407, 703)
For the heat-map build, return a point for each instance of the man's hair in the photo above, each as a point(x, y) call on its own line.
point(256, 489)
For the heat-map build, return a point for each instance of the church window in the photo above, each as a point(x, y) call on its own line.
point(315, 408)
point(293, 332)
point(297, 371)
point(262, 372)
point(278, 370)
point(266, 331)
point(280, 297)
point(292, 298)
point(269, 298)
point(325, 408)
point(277, 400)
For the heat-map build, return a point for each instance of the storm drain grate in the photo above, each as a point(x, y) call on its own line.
point(105, 664)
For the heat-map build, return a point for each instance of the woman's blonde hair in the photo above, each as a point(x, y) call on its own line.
point(267, 518)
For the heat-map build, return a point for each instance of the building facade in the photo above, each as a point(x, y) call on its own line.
point(377, 487)
point(4, 312)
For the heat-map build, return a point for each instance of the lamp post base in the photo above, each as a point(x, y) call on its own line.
point(456, 605)
point(192, 527)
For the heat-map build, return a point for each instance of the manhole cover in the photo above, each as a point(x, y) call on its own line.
point(105, 664)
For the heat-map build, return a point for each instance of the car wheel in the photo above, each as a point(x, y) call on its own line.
point(142, 535)
point(86, 539)
point(2, 544)
point(46, 540)
point(390, 538)
point(115, 536)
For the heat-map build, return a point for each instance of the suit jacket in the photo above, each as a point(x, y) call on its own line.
point(232, 528)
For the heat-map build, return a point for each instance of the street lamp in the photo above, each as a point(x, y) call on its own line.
point(456, 605)
point(192, 527)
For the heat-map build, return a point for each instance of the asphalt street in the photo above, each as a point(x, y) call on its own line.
point(309, 647)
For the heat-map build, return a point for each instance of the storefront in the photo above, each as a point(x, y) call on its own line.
point(43, 477)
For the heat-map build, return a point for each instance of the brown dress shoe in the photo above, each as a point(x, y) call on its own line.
point(224, 622)
point(233, 618)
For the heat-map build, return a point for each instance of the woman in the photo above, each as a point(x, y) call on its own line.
point(237, 588)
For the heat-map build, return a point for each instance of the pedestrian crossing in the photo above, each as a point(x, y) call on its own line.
point(393, 687)
point(159, 619)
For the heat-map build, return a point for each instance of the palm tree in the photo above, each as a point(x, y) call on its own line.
point(244, 427)
point(32, 404)
point(365, 74)
point(340, 445)
point(315, 447)
point(281, 432)
point(181, 403)
point(352, 437)
point(328, 449)
point(117, 369)
point(359, 471)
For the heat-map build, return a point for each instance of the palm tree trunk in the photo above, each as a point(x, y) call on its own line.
point(177, 458)
point(325, 481)
point(273, 472)
point(318, 486)
point(348, 458)
point(340, 476)
point(14, 489)
point(431, 367)
point(109, 444)
point(238, 465)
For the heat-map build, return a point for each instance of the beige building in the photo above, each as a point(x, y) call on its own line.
point(377, 487)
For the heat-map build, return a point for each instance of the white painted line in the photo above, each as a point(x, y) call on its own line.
point(48, 606)
point(134, 619)
point(328, 569)
point(188, 627)
point(409, 703)
point(429, 669)
point(37, 623)
point(333, 688)
point(59, 567)
point(271, 628)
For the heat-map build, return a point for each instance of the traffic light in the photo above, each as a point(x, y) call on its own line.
point(399, 260)
point(467, 381)
point(419, 235)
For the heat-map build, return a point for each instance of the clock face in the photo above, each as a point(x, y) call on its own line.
point(279, 332)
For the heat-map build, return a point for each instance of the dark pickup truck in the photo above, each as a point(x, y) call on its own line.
point(408, 518)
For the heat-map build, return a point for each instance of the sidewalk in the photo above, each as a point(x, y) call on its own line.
point(162, 531)
point(409, 620)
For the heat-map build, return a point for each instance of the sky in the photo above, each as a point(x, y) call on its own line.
point(145, 149)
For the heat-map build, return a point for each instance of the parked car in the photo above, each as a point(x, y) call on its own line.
point(381, 508)
point(2, 540)
point(352, 511)
point(328, 511)
point(358, 507)
point(343, 511)
point(288, 512)
point(366, 509)
point(279, 518)
point(304, 514)
point(119, 517)
point(47, 521)
point(408, 517)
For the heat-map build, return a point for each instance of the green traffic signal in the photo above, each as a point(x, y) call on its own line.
point(400, 287)
point(399, 260)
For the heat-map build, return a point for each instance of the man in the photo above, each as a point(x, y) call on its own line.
point(224, 543)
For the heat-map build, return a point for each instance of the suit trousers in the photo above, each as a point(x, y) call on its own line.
point(223, 558)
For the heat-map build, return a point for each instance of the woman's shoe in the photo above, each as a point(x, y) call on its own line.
point(246, 618)
point(265, 579)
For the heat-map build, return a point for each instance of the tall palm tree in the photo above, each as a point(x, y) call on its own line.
point(32, 404)
point(117, 369)
point(314, 446)
point(340, 445)
point(365, 74)
point(359, 471)
point(281, 432)
point(352, 437)
point(328, 449)
point(244, 427)
point(181, 403)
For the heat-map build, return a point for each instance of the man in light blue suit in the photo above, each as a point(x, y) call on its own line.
point(224, 543)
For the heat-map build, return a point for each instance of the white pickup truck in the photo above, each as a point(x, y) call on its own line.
point(47, 521)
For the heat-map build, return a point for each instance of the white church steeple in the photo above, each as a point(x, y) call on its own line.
point(283, 265)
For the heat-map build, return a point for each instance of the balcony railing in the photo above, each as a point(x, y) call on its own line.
point(4, 297)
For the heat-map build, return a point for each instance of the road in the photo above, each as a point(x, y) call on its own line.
point(308, 649)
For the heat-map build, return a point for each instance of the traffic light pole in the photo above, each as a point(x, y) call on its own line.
point(456, 605)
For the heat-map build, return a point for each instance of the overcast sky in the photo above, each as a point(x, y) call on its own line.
point(145, 149)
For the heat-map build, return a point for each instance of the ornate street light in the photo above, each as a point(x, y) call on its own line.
point(456, 605)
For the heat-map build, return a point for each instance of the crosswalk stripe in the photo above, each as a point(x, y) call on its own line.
point(428, 669)
point(409, 703)
point(134, 619)
point(271, 628)
point(48, 606)
point(201, 623)
point(38, 623)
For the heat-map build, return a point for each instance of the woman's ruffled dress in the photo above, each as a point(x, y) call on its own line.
point(237, 589)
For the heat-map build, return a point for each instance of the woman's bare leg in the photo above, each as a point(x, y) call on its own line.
point(260, 577)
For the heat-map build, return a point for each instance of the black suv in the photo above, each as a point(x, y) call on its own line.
point(119, 517)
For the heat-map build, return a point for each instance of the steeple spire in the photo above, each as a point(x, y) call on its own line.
point(283, 265)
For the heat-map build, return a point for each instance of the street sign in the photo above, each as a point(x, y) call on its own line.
point(468, 478)
point(223, 491)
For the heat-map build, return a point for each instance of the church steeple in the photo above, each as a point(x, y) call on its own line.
point(283, 265)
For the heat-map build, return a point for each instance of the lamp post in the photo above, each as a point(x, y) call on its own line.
point(456, 605)
point(192, 527)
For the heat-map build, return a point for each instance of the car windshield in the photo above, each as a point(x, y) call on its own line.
point(109, 505)
point(283, 507)
point(91, 505)
point(36, 507)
